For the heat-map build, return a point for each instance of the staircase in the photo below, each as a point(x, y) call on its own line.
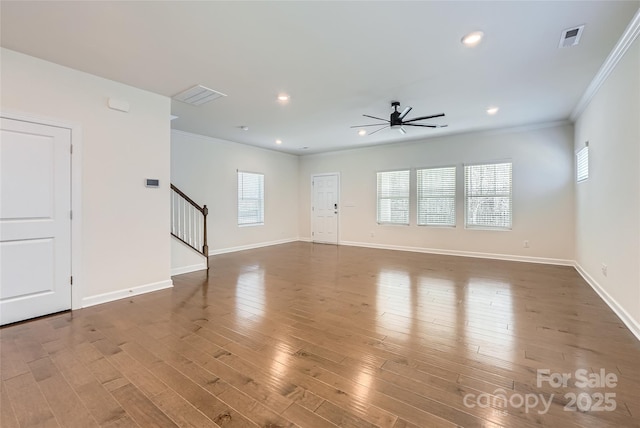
point(189, 222)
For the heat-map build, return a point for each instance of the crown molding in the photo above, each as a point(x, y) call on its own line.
point(623, 45)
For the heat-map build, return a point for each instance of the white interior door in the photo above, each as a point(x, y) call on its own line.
point(325, 208)
point(35, 225)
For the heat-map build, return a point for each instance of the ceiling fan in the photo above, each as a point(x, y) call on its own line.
point(396, 120)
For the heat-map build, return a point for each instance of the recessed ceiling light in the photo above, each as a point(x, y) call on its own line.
point(492, 110)
point(283, 97)
point(473, 38)
point(278, 141)
point(362, 132)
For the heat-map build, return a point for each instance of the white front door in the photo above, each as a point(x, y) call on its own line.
point(325, 208)
point(35, 225)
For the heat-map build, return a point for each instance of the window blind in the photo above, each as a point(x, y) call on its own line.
point(393, 197)
point(437, 196)
point(488, 198)
point(582, 164)
point(250, 198)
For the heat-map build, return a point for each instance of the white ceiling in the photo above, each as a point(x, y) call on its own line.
point(337, 60)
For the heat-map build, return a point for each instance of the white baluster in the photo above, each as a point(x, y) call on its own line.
point(173, 212)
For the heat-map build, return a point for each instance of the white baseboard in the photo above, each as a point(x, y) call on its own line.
point(508, 257)
point(624, 316)
point(187, 269)
point(250, 246)
point(632, 324)
point(122, 294)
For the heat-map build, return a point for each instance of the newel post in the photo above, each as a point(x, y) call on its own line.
point(205, 247)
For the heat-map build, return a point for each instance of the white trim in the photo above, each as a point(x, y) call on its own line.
point(624, 316)
point(493, 256)
point(76, 224)
point(127, 292)
point(76, 194)
point(188, 269)
point(250, 246)
point(624, 43)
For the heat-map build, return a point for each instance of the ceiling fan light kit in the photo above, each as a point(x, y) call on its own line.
point(396, 120)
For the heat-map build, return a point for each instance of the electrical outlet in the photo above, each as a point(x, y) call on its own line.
point(525, 243)
point(604, 269)
point(373, 234)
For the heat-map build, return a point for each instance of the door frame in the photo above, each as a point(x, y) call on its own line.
point(76, 193)
point(313, 176)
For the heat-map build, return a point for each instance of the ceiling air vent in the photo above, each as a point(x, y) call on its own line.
point(198, 95)
point(570, 37)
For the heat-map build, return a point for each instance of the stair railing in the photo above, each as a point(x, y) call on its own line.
point(189, 222)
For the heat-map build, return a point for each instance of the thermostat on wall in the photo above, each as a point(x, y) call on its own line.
point(153, 182)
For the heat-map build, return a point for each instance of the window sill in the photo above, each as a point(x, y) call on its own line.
point(490, 229)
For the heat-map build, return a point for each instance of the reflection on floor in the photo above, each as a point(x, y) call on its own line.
point(318, 335)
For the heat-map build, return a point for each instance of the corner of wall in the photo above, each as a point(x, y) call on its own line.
point(624, 316)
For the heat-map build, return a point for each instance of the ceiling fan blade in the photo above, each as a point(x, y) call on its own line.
point(377, 118)
point(424, 126)
point(424, 117)
point(402, 131)
point(405, 112)
point(362, 126)
point(386, 126)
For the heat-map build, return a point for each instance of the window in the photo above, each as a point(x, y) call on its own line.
point(393, 197)
point(437, 196)
point(487, 191)
point(250, 199)
point(582, 164)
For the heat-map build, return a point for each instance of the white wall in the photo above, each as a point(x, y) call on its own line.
point(124, 234)
point(184, 259)
point(608, 203)
point(205, 169)
point(542, 193)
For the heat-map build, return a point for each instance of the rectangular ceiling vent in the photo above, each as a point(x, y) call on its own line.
point(198, 95)
point(570, 37)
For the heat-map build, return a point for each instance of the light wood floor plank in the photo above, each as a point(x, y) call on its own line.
point(7, 415)
point(62, 399)
point(29, 404)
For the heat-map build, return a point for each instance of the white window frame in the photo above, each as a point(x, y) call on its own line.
point(582, 164)
point(424, 197)
point(398, 197)
point(487, 193)
point(242, 196)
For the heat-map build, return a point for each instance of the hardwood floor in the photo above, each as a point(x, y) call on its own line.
point(323, 336)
